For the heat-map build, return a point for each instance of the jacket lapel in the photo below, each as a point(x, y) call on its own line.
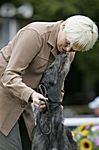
point(53, 38)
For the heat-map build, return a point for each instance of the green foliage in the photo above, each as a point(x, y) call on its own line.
point(60, 9)
point(53, 10)
point(88, 63)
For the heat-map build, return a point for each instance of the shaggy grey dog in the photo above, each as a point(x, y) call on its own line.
point(50, 133)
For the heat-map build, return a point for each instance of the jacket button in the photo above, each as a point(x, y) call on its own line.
point(23, 104)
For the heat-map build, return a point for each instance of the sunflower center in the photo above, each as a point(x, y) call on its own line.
point(86, 145)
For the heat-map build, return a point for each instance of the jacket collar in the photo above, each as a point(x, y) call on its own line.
point(53, 37)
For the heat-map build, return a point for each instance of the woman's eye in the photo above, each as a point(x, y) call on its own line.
point(67, 44)
point(72, 50)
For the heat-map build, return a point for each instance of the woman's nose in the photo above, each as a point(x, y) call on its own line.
point(68, 49)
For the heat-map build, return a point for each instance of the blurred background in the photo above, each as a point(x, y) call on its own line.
point(82, 82)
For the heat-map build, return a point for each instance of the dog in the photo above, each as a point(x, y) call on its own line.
point(50, 132)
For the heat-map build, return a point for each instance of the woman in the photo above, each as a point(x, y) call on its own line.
point(22, 63)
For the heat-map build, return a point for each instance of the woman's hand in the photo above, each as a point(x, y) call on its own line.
point(38, 100)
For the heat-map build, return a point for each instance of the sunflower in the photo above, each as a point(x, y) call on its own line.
point(84, 132)
point(85, 144)
point(82, 127)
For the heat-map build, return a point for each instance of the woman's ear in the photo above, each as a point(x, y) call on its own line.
point(63, 25)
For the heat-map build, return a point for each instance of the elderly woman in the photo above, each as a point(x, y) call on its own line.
point(22, 63)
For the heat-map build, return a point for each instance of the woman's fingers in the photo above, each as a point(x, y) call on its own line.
point(38, 100)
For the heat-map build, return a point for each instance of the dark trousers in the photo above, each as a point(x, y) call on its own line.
point(12, 141)
point(17, 139)
point(26, 143)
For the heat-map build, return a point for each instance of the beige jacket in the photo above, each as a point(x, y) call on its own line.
point(22, 63)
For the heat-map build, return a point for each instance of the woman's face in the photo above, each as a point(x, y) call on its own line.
point(64, 45)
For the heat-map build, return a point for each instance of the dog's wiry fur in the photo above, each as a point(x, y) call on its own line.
point(50, 133)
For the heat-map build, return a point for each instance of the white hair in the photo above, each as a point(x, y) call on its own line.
point(82, 30)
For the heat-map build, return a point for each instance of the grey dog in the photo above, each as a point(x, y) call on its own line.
point(50, 132)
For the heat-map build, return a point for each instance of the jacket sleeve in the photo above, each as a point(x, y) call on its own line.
point(24, 50)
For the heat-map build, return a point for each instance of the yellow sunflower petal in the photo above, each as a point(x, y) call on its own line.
point(84, 132)
point(85, 144)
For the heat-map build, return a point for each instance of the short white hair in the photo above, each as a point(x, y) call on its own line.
point(81, 29)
